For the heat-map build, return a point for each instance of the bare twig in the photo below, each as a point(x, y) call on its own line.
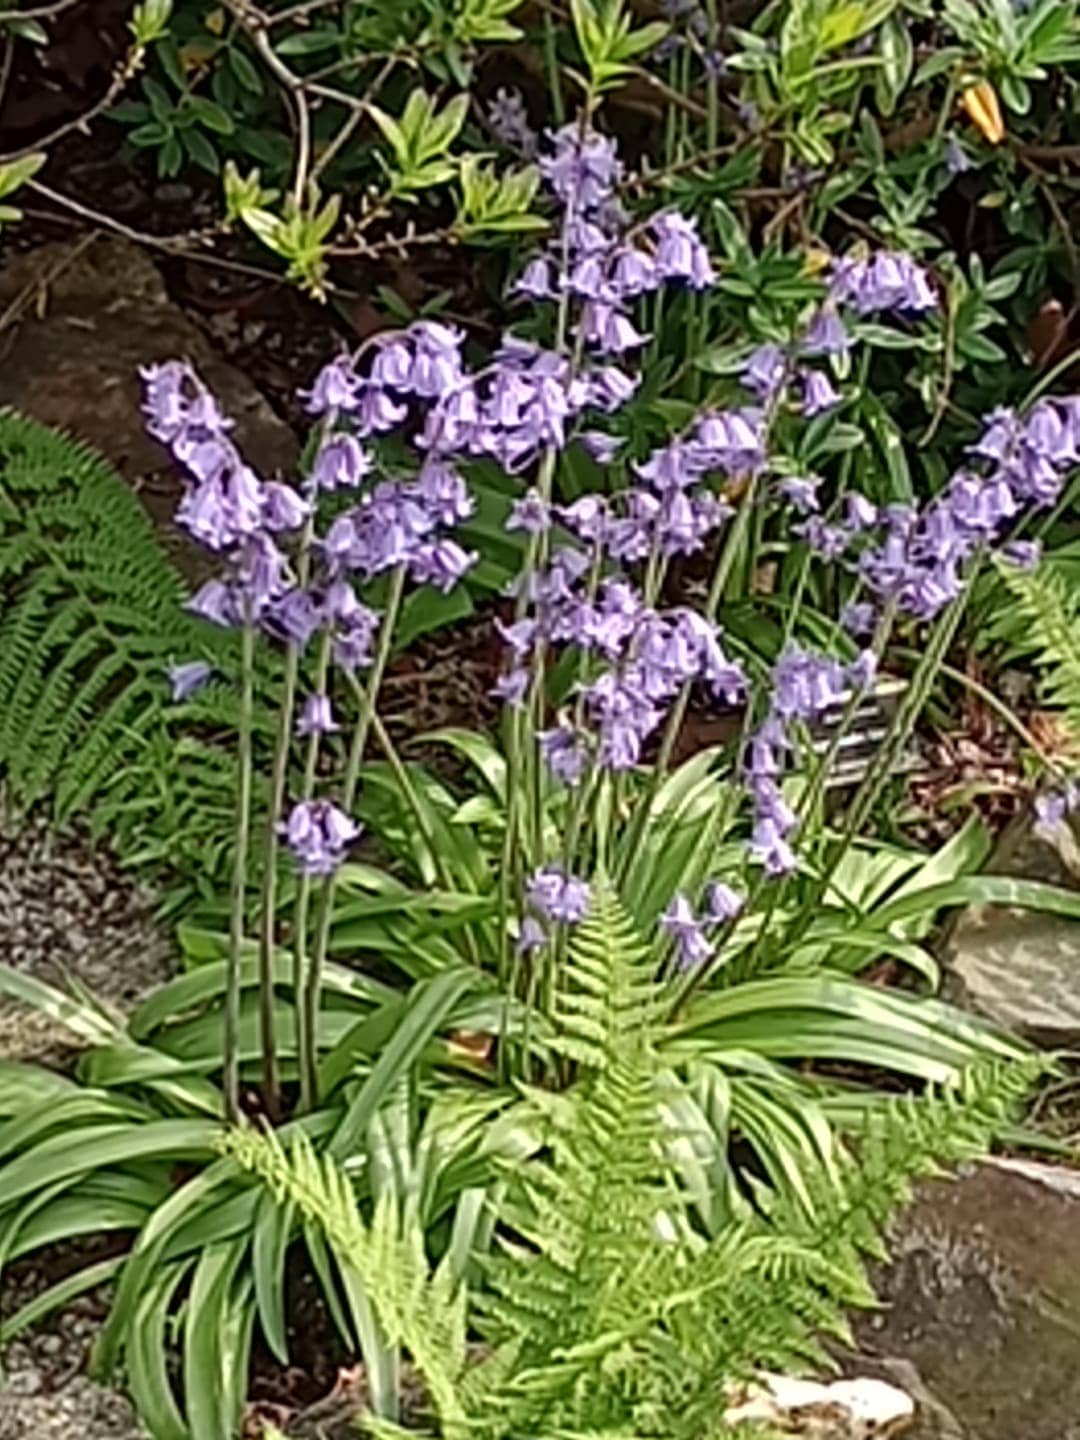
point(648, 179)
point(254, 25)
point(339, 97)
point(40, 282)
point(1046, 190)
point(181, 246)
point(1070, 154)
point(941, 404)
point(672, 96)
point(121, 78)
point(300, 89)
point(38, 12)
point(5, 67)
point(297, 12)
point(402, 56)
point(859, 226)
point(343, 135)
point(173, 244)
point(394, 244)
point(777, 222)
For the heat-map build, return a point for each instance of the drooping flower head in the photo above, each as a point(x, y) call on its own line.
point(319, 835)
point(888, 280)
point(680, 923)
point(509, 121)
point(187, 678)
point(556, 896)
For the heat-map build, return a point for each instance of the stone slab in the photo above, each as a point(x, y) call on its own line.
point(980, 1314)
point(80, 320)
point(1019, 967)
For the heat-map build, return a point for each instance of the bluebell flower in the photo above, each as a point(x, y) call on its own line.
point(441, 563)
point(531, 936)
point(771, 850)
point(957, 160)
point(564, 753)
point(294, 616)
point(764, 371)
point(826, 334)
point(336, 387)
point(801, 491)
point(341, 464)
point(512, 687)
point(215, 601)
point(805, 685)
point(583, 168)
point(862, 672)
point(531, 513)
point(317, 717)
point(558, 897)
point(859, 512)
point(1024, 554)
point(282, 508)
point(857, 617)
point(187, 678)
point(609, 329)
point(883, 282)
point(535, 282)
point(601, 446)
point(509, 121)
point(818, 393)
point(723, 903)
point(319, 835)
point(680, 252)
point(680, 923)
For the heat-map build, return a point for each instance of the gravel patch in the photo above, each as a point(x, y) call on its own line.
point(71, 917)
point(46, 1394)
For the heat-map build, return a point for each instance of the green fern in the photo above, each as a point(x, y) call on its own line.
point(607, 1000)
point(91, 613)
point(1051, 615)
point(420, 1310)
point(607, 1313)
point(777, 1283)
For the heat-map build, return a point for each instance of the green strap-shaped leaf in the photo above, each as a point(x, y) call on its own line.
point(429, 1005)
point(269, 1244)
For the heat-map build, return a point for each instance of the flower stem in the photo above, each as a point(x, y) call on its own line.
point(231, 1049)
point(551, 66)
point(728, 555)
point(520, 736)
point(405, 784)
point(271, 1085)
point(271, 1093)
point(712, 89)
point(303, 894)
point(896, 737)
point(312, 994)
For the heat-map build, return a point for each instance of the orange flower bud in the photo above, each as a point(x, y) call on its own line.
point(981, 104)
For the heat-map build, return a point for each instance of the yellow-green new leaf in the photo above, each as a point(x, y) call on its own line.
point(440, 131)
point(16, 172)
point(392, 132)
point(850, 22)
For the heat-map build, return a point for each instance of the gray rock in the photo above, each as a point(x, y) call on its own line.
point(1018, 967)
point(980, 1318)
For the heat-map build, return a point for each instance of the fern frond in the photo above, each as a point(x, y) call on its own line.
point(421, 1311)
point(1052, 613)
point(606, 1005)
point(772, 1287)
point(91, 612)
